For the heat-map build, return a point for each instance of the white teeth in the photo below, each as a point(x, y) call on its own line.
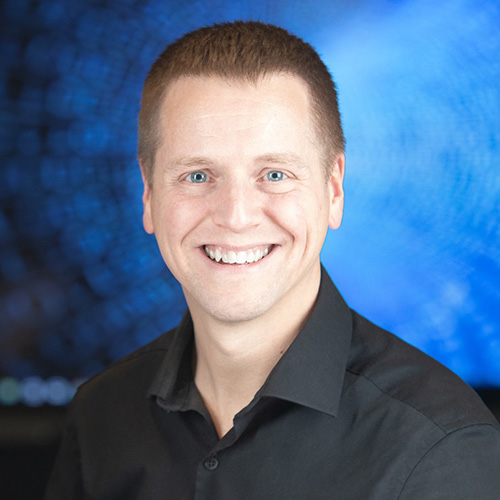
point(231, 257)
point(250, 257)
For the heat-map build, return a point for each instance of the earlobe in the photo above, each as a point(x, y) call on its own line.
point(147, 220)
point(336, 192)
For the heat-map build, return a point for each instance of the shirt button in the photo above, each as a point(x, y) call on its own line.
point(211, 463)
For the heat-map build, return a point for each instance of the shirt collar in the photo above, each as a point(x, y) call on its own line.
point(175, 376)
point(310, 373)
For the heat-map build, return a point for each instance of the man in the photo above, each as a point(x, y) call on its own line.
point(271, 387)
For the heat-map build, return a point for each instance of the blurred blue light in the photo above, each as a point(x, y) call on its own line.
point(58, 100)
point(102, 280)
point(39, 54)
point(10, 53)
point(419, 94)
point(12, 266)
point(88, 139)
point(18, 306)
point(51, 11)
point(91, 29)
point(57, 142)
point(49, 298)
point(116, 318)
point(15, 10)
point(10, 391)
point(4, 230)
point(35, 391)
point(97, 66)
point(52, 348)
point(66, 58)
point(29, 143)
point(59, 391)
point(31, 102)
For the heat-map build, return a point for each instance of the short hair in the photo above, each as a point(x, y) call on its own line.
point(244, 51)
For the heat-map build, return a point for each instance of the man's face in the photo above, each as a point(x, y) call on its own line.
point(239, 203)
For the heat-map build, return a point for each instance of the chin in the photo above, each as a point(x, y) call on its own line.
point(235, 311)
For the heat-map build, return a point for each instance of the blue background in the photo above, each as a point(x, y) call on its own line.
point(419, 249)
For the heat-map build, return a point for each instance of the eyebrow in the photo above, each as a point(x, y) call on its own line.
point(274, 158)
point(190, 161)
point(283, 159)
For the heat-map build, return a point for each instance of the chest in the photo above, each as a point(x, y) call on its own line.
point(285, 451)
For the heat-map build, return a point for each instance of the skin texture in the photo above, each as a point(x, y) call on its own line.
point(237, 137)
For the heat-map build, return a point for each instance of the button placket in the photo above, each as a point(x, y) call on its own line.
point(211, 463)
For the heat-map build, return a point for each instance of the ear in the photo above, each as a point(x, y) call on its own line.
point(335, 183)
point(147, 220)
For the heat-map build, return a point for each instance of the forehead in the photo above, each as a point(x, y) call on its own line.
point(275, 107)
point(278, 90)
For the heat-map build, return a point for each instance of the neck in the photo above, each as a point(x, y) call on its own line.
point(234, 359)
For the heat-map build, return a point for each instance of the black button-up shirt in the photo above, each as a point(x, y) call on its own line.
point(349, 412)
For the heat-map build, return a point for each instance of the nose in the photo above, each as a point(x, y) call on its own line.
point(237, 206)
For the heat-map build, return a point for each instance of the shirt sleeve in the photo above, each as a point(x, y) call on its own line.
point(464, 465)
point(65, 482)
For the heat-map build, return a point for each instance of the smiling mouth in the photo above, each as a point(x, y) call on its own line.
point(225, 256)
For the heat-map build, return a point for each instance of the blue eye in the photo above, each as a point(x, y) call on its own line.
point(197, 177)
point(275, 176)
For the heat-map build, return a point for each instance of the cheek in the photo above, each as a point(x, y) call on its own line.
point(299, 215)
point(174, 217)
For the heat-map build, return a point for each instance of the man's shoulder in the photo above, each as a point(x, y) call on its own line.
point(407, 377)
point(158, 346)
point(131, 375)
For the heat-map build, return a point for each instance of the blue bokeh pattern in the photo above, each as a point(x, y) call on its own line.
point(419, 249)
